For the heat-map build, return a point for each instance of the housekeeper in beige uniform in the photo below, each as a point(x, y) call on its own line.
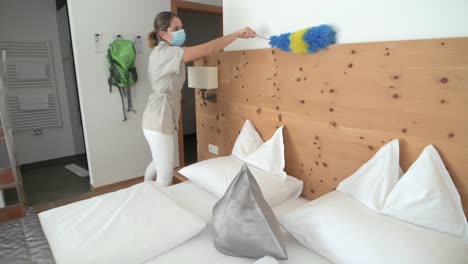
point(167, 76)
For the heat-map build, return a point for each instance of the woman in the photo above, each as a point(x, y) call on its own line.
point(167, 76)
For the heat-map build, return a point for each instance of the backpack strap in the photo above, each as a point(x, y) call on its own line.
point(111, 68)
point(121, 91)
point(109, 81)
point(129, 94)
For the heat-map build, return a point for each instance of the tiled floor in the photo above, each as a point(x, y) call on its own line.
point(96, 192)
point(50, 181)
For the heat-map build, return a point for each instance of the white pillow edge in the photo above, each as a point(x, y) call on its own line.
point(384, 150)
point(256, 135)
point(434, 156)
point(373, 159)
point(283, 175)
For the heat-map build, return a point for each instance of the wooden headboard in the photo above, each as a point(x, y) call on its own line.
point(339, 106)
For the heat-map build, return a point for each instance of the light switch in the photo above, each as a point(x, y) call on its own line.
point(137, 41)
point(98, 41)
point(116, 36)
point(213, 149)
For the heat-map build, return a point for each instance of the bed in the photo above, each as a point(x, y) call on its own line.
point(23, 240)
point(334, 120)
point(341, 105)
point(26, 242)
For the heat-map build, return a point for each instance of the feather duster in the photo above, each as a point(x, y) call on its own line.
point(307, 40)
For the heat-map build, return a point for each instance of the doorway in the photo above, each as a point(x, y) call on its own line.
point(202, 23)
point(42, 101)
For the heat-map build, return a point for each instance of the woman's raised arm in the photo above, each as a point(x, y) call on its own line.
point(213, 46)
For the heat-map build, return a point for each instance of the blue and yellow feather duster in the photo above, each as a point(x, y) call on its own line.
point(307, 40)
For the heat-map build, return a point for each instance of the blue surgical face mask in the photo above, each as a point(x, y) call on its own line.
point(178, 38)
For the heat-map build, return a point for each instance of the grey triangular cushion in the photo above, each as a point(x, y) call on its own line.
point(244, 225)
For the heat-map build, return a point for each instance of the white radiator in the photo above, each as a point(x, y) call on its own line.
point(29, 71)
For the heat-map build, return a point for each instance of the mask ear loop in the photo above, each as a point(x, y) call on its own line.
point(170, 33)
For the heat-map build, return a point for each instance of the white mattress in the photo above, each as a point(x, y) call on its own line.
point(200, 249)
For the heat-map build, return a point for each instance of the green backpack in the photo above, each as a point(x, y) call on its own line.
point(122, 72)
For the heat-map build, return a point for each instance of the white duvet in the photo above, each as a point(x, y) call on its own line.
point(132, 225)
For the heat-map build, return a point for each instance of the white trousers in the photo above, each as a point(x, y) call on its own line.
point(165, 154)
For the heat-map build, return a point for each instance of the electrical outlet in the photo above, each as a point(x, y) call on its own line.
point(213, 149)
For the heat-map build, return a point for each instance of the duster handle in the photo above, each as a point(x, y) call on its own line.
point(262, 37)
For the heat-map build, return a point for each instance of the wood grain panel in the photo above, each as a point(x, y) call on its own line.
point(339, 106)
point(10, 213)
point(6, 177)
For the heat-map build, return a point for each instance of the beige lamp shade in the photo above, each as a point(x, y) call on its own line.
point(203, 77)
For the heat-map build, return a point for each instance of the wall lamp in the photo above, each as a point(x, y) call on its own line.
point(204, 78)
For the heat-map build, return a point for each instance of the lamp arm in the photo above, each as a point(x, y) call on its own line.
point(211, 97)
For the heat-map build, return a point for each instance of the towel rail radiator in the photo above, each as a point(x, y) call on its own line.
point(37, 53)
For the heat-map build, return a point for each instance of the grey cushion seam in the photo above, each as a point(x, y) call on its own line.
point(265, 220)
point(26, 239)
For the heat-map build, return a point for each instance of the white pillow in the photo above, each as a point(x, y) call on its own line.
point(215, 175)
point(266, 260)
point(132, 225)
point(345, 231)
point(374, 180)
point(270, 155)
point(247, 142)
point(426, 196)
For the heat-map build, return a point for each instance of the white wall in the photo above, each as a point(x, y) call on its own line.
point(116, 150)
point(31, 20)
point(355, 21)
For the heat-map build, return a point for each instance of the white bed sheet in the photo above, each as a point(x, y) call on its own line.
point(127, 226)
point(200, 249)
